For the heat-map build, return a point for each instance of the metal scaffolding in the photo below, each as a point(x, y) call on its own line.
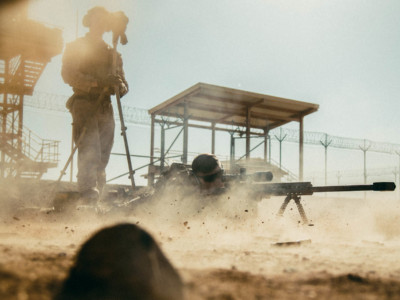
point(26, 47)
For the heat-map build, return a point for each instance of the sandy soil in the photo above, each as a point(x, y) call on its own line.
point(222, 251)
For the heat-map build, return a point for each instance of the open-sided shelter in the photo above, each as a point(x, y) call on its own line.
point(219, 108)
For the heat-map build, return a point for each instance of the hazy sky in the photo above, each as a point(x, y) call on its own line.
point(340, 54)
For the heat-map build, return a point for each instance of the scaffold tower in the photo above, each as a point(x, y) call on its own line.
point(26, 47)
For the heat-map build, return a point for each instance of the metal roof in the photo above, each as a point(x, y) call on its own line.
point(221, 105)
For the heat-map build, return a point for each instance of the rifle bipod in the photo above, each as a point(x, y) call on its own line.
point(296, 198)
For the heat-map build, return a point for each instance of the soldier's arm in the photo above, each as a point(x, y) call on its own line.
point(124, 87)
point(70, 71)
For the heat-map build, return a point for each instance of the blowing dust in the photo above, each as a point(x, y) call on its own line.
point(239, 215)
point(225, 247)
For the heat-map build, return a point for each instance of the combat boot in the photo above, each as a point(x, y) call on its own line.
point(88, 198)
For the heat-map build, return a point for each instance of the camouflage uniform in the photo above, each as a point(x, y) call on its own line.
point(86, 65)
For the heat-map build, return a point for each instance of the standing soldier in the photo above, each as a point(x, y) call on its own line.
point(87, 66)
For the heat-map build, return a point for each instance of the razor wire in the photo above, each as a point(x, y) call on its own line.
point(135, 115)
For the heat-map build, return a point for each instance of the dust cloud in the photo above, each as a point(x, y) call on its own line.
point(225, 247)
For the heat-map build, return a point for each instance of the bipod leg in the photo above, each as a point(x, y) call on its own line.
point(284, 205)
point(301, 209)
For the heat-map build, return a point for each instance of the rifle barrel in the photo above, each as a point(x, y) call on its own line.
point(306, 188)
point(376, 186)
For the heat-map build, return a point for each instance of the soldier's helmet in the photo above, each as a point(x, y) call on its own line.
point(97, 12)
point(205, 163)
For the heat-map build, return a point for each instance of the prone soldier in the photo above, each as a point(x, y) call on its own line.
point(208, 170)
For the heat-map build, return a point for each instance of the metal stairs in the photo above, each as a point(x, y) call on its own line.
point(27, 156)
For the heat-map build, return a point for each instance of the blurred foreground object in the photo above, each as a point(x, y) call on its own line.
point(122, 262)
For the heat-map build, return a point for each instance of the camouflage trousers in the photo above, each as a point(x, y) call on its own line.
point(94, 148)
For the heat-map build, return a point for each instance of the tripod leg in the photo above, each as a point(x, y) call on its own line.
point(123, 133)
point(284, 205)
point(121, 116)
point(301, 209)
point(62, 173)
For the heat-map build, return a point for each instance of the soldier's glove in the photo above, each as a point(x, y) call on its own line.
point(110, 81)
point(123, 89)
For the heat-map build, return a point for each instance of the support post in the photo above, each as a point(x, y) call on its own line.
point(162, 147)
point(213, 138)
point(150, 178)
point(364, 149)
point(326, 144)
point(248, 116)
point(232, 152)
point(266, 132)
point(4, 118)
point(185, 133)
point(280, 139)
point(21, 107)
point(269, 148)
point(301, 148)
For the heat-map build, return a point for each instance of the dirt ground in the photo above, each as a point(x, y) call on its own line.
point(223, 251)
